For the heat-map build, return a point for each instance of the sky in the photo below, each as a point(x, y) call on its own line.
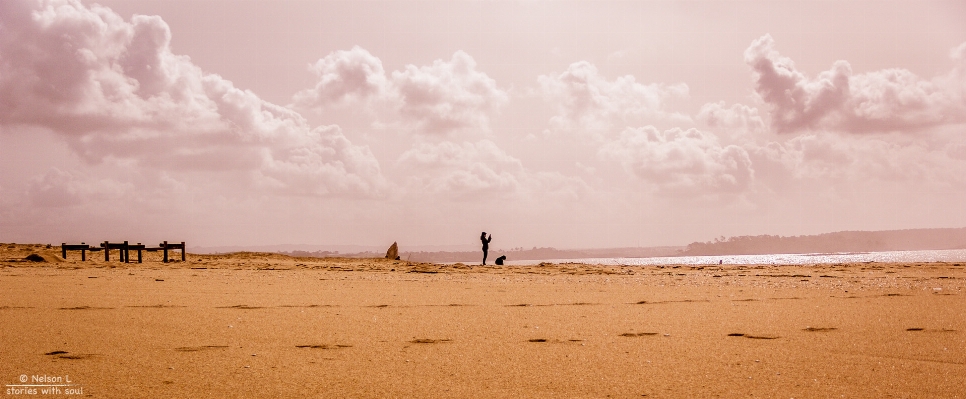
point(545, 123)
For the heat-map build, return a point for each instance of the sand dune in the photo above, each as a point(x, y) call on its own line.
point(265, 325)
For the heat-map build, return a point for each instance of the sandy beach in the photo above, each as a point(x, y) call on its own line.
point(264, 325)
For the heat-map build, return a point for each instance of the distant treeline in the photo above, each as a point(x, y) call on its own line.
point(843, 241)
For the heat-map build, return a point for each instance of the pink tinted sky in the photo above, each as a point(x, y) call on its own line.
point(565, 124)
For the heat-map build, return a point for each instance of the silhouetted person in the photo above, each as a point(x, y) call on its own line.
point(486, 244)
point(499, 261)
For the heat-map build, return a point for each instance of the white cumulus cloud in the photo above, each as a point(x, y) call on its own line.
point(114, 90)
point(443, 98)
point(679, 161)
point(344, 76)
point(586, 100)
point(838, 99)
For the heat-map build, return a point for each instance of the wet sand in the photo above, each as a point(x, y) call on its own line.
point(261, 325)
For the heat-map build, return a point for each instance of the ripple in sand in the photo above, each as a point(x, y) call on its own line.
point(243, 307)
point(323, 346)
point(199, 348)
point(754, 336)
point(643, 334)
point(83, 308)
point(678, 301)
point(819, 329)
point(429, 341)
point(156, 306)
point(306, 306)
point(69, 356)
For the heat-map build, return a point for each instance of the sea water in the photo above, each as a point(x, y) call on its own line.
point(952, 255)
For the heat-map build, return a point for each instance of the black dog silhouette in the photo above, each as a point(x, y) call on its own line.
point(500, 260)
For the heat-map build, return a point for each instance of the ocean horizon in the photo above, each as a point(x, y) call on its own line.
point(951, 255)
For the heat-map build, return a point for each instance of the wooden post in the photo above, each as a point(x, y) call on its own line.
point(107, 252)
point(182, 251)
point(63, 250)
point(127, 253)
point(139, 252)
point(83, 253)
point(164, 246)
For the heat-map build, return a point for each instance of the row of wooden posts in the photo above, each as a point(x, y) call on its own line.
point(124, 249)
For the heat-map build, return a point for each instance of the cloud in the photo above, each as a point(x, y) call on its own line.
point(324, 164)
point(57, 188)
point(738, 118)
point(114, 90)
point(344, 76)
point(447, 96)
point(438, 99)
point(878, 101)
point(466, 169)
point(480, 170)
point(587, 100)
point(681, 161)
point(832, 159)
